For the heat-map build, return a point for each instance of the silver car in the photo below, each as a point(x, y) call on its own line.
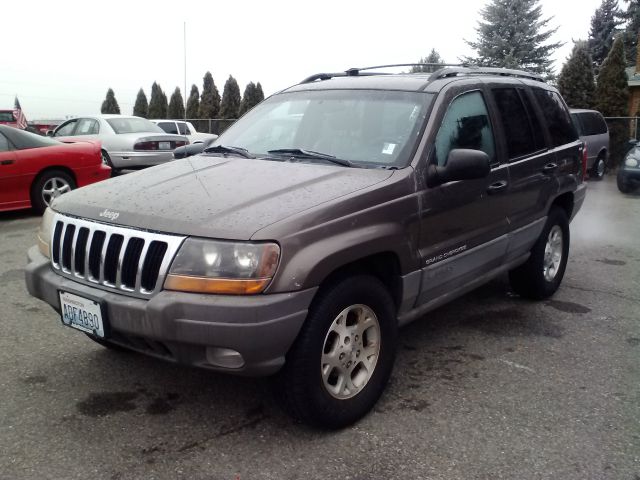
point(127, 142)
point(594, 132)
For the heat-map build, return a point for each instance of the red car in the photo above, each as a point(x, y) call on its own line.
point(36, 169)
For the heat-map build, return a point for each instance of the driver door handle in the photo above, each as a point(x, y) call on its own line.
point(497, 187)
point(7, 162)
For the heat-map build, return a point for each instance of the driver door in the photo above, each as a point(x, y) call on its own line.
point(463, 223)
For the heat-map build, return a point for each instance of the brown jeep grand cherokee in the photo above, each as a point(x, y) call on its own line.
point(328, 216)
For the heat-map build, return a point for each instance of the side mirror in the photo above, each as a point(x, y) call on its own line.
point(633, 142)
point(462, 164)
point(189, 150)
point(49, 133)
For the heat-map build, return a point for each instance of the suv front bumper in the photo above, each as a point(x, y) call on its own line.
point(183, 327)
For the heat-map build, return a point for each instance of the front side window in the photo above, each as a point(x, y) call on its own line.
point(371, 128)
point(87, 126)
point(515, 123)
point(558, 118)
point(465, 125)
point(182, 128)
point(66, 129)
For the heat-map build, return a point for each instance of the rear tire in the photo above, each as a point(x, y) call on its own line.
point(598, 169)
point(623, 184)
point(342, 359)
point(540, 276)
point(107, 160)
point(49, 185)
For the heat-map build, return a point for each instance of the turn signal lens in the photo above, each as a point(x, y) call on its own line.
point(44, 232)
point(223, 286)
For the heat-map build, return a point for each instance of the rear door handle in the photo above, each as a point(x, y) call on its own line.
point(6, 162)
point(497, 187)
point(550, 168)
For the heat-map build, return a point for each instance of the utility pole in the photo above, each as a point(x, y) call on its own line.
point(186, 94)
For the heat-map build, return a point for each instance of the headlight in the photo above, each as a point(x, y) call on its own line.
point(206, 266)
point(44, 232)
point(631, 162)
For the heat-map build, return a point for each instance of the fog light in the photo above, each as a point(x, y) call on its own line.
point(224, 357)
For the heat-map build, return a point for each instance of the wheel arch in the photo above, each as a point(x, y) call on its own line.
point(53, 168)
point(566, 202)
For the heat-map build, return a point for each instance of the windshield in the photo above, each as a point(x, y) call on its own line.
point(7, 117)
point(370, 128)
point(133, 125)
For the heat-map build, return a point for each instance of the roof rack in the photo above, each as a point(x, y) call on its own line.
point(471, 70)
point(444, 70)
point(355, 72)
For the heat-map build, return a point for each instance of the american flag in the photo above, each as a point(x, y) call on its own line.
point(21, 120)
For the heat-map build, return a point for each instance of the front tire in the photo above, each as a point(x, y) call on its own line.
point(623, 184)
point(540, 276)
point(48, 186)
point(343, 357)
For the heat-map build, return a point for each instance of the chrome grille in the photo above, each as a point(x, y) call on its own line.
point(126, 260)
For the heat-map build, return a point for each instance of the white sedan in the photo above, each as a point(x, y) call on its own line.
point(127, 142)
point(181, 127)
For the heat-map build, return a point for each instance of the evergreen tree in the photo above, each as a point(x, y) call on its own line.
point(249, 99)
point(176, 105)
point(141, 107)
point(576, 82)
point(210, 98)
point(193, 103)
point(631, 17)
point(230, 105)
point(604, 24)
point(513, 34)
point(612, 99)
point(158, 103)
point(433, 57)
point(110, 104)
point(259, 93)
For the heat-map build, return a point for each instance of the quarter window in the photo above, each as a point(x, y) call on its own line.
point(182, 127)
point(515, 123)
point(592, 123)
point(465, 125)
point(559, 121)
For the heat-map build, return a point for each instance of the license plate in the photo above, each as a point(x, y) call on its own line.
point(81, 313)
point(164, 145)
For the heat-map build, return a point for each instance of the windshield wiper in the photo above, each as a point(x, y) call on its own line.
point(243, 152)
point(301, 153)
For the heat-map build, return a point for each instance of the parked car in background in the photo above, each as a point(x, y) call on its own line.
point(629, 172)
point(179, 127)
point(35, 169)
point(127, 142)
point(594, 132)
point(7, 118)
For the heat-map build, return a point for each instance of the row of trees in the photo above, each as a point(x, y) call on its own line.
point(209, 104)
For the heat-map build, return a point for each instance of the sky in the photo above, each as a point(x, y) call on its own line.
point(61, 57)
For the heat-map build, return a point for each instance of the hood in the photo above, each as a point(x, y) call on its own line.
point(214, 197)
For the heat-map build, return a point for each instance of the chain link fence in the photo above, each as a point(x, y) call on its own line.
point(211, 125)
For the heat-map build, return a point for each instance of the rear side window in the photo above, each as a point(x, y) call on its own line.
point(516, 123)
point(465, 125)
point(592, 123)
point(558, 118)
point(4, 144)
point(168, 127)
